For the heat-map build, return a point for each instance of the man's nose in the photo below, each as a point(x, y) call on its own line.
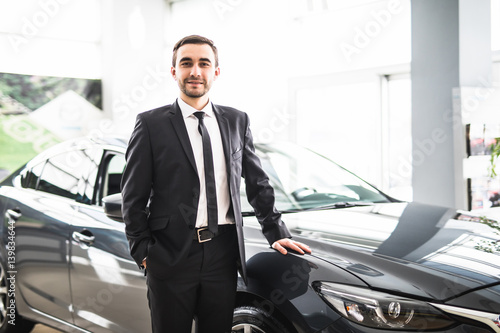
point(195, 70)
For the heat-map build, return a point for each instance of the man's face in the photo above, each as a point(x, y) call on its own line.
point(195, 69)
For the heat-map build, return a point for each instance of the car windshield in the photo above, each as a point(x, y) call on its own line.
point(304, 180)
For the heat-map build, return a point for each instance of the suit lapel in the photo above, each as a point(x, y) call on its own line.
point(224, 128)
point(181, 131)
point(226, 144)
point(224, 132)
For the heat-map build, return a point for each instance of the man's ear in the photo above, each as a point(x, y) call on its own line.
point(172, 71)
point(217, 73)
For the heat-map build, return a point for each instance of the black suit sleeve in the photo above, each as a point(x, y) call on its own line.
point(136, 190)
point(260, 193)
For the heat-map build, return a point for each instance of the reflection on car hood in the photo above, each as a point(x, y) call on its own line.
point(421, 250)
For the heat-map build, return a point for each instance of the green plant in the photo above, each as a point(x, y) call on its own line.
point(490, 246)
point(495, 153)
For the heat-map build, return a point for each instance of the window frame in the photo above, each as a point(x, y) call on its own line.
point(101, 182)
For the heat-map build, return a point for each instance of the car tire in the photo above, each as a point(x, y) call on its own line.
point(19, 324)
point(251, 319)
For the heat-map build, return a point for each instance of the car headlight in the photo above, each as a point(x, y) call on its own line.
point(381, 310)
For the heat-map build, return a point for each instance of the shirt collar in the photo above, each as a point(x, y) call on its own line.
point(187, 110)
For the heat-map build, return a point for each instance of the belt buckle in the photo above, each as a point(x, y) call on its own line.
point(200, 237)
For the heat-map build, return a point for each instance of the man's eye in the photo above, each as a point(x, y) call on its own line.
point(185, 64)
point(205, 64)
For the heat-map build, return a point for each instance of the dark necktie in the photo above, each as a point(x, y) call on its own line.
point(208, 162)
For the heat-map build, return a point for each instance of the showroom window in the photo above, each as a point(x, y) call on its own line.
point(342, 122)
point(397, 144)
point(363, 123)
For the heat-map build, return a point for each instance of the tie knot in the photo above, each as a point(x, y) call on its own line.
point(199, 114)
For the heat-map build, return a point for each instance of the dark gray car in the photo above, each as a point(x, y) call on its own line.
point(378, 265)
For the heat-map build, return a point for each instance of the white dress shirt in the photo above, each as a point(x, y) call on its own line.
point(222, 188)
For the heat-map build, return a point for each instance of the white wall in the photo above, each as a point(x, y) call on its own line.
point(51, 37)
point(135, 71)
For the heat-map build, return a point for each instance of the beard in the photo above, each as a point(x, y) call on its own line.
point(192, 92)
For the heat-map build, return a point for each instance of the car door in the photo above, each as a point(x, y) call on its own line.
point(108, 289)
point(41, 208)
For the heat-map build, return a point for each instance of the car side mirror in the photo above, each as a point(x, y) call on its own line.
point(113, 206)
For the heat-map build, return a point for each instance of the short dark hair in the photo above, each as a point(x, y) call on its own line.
point(195, 39)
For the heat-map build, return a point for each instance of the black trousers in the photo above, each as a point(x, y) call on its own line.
point(203, 286)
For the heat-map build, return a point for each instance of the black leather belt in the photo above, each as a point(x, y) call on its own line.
point(204, 235)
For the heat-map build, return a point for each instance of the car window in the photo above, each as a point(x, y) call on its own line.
point(71, 174)
point(30, 177)
point(304, 180)
point(60, 176)
point(114, 164)
point(88, 180)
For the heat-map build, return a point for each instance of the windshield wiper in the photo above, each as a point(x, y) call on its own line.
point(343, 204)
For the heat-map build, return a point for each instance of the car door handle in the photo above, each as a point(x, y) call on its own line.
point(87, 238)
point(13, 214)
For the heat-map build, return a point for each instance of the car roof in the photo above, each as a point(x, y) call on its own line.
point(115, 143)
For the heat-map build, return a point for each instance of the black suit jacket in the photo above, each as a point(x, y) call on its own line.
point(160, 186)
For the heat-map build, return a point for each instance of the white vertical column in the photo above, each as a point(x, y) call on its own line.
point(450, 48)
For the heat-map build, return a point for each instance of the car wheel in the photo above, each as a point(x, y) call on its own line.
point(10, 321)
point(248, 319)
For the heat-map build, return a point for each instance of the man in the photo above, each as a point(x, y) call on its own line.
point(181, 199)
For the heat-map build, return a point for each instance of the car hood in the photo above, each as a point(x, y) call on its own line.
point(413, 249)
